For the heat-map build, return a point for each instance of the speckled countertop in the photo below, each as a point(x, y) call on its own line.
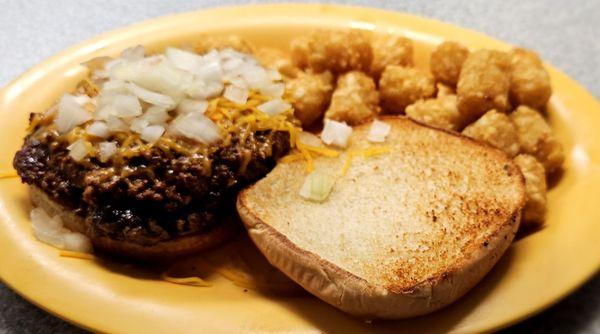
point(564, 32)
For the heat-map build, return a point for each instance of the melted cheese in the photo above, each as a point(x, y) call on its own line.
point(77, 255)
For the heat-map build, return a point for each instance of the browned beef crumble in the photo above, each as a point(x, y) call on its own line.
point(153, 197)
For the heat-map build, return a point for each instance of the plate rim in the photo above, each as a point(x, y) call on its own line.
point(285, 8)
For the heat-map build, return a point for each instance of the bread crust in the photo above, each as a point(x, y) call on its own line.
point(357, 296)
point(164, 250)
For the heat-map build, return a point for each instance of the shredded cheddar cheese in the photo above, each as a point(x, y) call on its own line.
point(192, 281)
point(235, 277)
point(347, 163)
point(291, 158)
point(77, 255)
point(365, 153)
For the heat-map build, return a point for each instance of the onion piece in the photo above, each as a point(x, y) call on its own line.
point(114, 86)
point(70, 114)
point(51, 231)
point(184, 60)
point(82, 99)
point(151, 97)
point(79, 149)
point(188, 106)
point(195, 126)
point(99, 129)
point(139, 124)
point(378, 131)
point(310, 139)
point(255, 76)
point(274, 107)
point(236, 94)
point(152, 133)
point(115, 124)
point(317, 187)
point(198, 89)
point(336, 133)
point(156, 75)
point(77, 242)
point(120, 105)
point(274, 75)
point(273, 90)
point(107, 150)
point(210, 72)
point(133, 53)
point(156, 115)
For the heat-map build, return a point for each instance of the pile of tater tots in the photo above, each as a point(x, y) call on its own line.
point(491, 96)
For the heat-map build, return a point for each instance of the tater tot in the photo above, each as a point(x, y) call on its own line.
point(440, 113)
point(443, 90)
point(529, 81)
point(390, 50)
point(209, 42)
point(496, 129)
point(333, 50)
point(355, 99)
point(310, 94)
point(277, 60)
point(446, 61)
point(483, 83)
point(535, 189)
point(401, 86)
point(536, 138)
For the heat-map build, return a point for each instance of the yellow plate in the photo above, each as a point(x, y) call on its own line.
point(535, 272)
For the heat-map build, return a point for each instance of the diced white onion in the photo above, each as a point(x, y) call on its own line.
point(231, 65)
point(151, 97)
point(114, 86)
point(239, 82)
point(274, 107)
point(133, 53)
point(310, 139)
point(51, 231)
point(107, 150)
point(317, 187)
point(184, 60)
point(198, 89)
point(336, 133)
point(178, 80)
point(274, 90)
point(70, 114)
point(79, 149)
point(152, 133)
point(138, 125)
point(115, 124)
point(195, 126)
point(123, 106)
point(378, 131)
point(255, 76)
point(160, 77)
point(47, 234)
point(77, 242)
point(274, 75)
point(210, 72)
point(83, 99)
point(236, 94)
point(156, 115)
point(98, 129)
point(188, 106)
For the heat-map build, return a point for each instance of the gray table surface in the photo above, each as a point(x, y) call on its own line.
point(564, 32)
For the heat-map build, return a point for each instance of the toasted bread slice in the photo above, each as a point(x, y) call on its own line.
point(401, 234)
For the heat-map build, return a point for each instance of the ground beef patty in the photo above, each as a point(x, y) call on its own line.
point(155, 196)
